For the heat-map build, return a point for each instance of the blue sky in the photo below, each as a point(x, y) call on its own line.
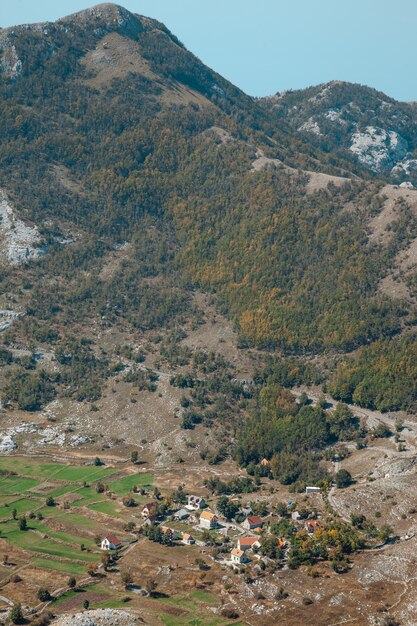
point(265, 46)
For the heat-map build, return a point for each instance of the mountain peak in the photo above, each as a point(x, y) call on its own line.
point(107, 15)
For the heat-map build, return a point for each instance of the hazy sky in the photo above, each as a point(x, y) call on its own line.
point(264, 46)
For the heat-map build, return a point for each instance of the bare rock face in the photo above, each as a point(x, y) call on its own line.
point(18, 241)
point(378, 148)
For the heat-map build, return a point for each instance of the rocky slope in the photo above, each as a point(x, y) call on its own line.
point(356, 121)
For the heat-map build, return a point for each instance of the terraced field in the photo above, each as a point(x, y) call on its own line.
point(61, 535)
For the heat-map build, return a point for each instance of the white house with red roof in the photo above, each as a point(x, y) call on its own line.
point(111, 542)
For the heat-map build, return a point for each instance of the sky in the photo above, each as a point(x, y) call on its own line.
point(266, 46)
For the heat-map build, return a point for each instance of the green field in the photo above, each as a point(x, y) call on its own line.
point(31, 541)
point(55, 471)
point(107, 506)
point(61, 532)
point(16, 484)
point(66, 567)
point(22, 506)
point(122, 486)
point(195, 613)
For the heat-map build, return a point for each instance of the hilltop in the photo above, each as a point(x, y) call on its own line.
point(355, 122)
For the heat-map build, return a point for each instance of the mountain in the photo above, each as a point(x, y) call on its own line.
point(132, 175)
point(355, 122)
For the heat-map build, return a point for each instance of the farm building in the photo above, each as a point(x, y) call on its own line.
point(208, 520)
point(313, 489)
point(110, 542)
point(180, 515)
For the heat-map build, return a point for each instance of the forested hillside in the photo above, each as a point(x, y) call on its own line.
point(114, 137)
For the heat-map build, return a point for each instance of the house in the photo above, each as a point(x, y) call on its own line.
point(238, 556)
point(180, 515)
point(151, 520)
point(295, 516)
point(195, 503)
point(253, 521)
point(111, 542)
point(149, 509)
point(188, 539)
point(311, 525)
point(208, 520)
point(313, 489)
point(247, 543)
point(170, 532)
point(265, 462)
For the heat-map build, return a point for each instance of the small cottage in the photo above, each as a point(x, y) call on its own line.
point(111, 542)
point(149, 509)
point(311, 525)
point(248, 543)
point(169, 532)
point(238, 556)
point(252, 522)
point(187, 539)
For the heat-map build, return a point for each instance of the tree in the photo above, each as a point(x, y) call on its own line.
point(151, 586)
point(43, 595)
point(86, 604)
point(227, 508)
point(23, 523)
point(50, 501)
point(384, 532)
point(105, 559)
point(14, 513)
point(91, 569)
point(72, 583)
point(98, 461)
point(126, 578)
point(16, 614)
point(134, 457)
point(343, 479)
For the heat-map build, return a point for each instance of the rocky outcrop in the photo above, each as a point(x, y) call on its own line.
point(378, 149)
point(18, 241)
point(99, 617)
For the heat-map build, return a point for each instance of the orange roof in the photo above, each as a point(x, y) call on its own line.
point(237, 552)
point(208, 515)
point(187, 536)
point(247, 541)
point(313, 522)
